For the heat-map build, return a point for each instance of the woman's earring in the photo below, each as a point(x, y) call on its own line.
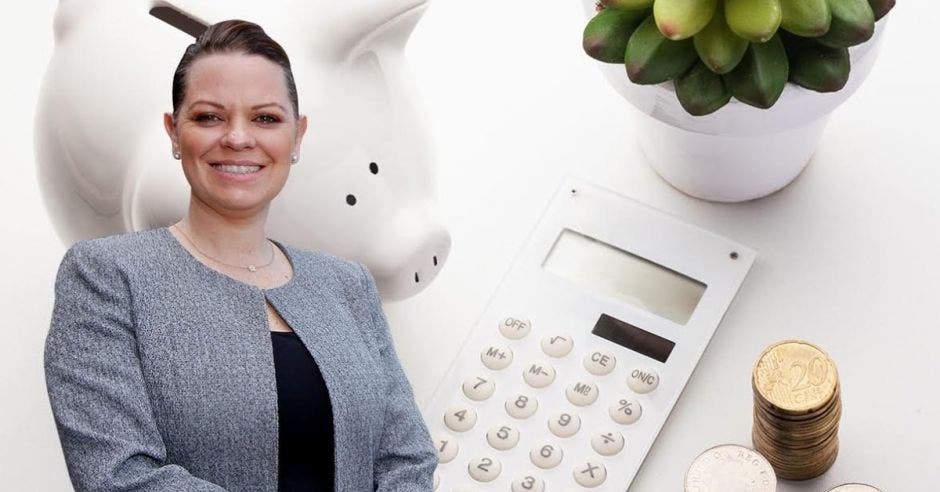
point(176, 155)
point(294, 159)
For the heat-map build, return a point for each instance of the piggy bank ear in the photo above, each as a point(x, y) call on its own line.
point(386, 25)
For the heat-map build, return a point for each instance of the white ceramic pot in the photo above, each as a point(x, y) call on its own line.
point(739, 152)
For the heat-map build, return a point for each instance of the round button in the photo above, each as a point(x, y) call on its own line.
point(460, 418)
point(539, 374)
point(558, 345)
point(590, 473)
point(503, 437)
point(478, 388)
point(642, 380)
point(496, 356)
point(528, 483)
point(607, 442)
point(564, 424)
point(521, 405)
point(546, 455)
point(581, 394)
point(515, 328)
point(447, 448)
point(625, 410)
point(484, 469)
point(437, 479)
point(600, 362)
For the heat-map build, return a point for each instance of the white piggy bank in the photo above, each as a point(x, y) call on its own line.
point(364, 186)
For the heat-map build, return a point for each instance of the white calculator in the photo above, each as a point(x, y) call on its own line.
point(570, 372)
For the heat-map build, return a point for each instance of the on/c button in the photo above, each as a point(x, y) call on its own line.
point(642, 380)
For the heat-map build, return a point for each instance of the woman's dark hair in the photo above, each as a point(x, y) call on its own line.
point(233, 36)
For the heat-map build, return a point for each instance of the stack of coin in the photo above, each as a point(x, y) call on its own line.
point(796, 409)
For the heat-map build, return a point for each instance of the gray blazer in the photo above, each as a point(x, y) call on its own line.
point(161, 376)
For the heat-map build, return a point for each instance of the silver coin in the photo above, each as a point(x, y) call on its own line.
point(730, 468)
point(853, 487)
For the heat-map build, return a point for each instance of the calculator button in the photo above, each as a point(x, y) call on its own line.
point(521, 405)
point(503, 437)
point(590, 473)
point(514, 328)
point(564, 424)
point(625, 410)
point(539, 374)
point(600, 362)
point(581, 394)
point(437, 479)
point(528, 483)
point(546, 455)
point(557, 345)
point(478, 388)
point(496, 356)
point(608, 442)
point(460, 418)
point(484, 469)
point(642, 380)
point(447, 448)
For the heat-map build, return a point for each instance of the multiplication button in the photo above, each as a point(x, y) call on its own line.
point(564, 424)
point(502, 437)
point(496, 356)
point(484, 469)
point(539, 374)
point(528, 483)
point(515, 328)
point(589, 473)
point(581, 393)
point(521, 405)
point(607, 442)
point(600, 362)
point(546, 455)
point(478, 388)
point(643, 380)
point(447, 448)
point(460, 418)
point(557, 345)
point(625, 410)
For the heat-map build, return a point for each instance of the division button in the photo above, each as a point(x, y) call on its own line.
point(600, 362)
point(503, 437)
point(582, 394)
point(642, 380)
point(607, 442)
point(546, 455)
point(478, 388)
point(515, 328)
point(625, 410)
point(539, 374)
point(447, 448)
point(590, 473)
point(460, 418)
point(521, 405)
point(496, 356)
point(557, 345)
point(564, 424)
point(528, 483)
point(484, 469)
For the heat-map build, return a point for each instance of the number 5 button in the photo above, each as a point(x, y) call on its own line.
point(484, 469)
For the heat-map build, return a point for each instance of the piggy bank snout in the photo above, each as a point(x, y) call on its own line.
point(408, 253)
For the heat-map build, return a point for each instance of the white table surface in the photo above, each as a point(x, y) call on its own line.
point(849, 254)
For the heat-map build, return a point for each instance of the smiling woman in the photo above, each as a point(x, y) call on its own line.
point(205, 356)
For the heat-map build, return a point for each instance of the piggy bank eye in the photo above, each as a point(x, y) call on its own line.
point(351, 199)
point(374, 168)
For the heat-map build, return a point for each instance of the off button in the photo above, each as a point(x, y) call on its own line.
point(642, 380)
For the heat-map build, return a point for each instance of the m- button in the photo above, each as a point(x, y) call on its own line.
point(642, 380)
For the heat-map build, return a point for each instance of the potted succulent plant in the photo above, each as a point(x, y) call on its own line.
point(738, 91)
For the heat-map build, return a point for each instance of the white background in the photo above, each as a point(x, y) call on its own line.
point(849, 254)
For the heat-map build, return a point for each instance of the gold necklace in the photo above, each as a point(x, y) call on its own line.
point(251, 268)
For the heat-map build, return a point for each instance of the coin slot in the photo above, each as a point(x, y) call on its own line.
point(180, 20)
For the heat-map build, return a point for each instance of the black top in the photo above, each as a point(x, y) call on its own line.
point(305, 418)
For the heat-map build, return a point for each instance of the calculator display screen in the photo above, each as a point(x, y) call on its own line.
point(608, 270)
point(633, 338)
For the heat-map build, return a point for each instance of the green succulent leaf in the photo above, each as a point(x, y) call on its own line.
point(627, 4)
point(651, 58)
point(881, 7)
point(853, 22)
point(717, 46)
point(806, 18)
point(816, 66)
point(753, 20)
point(680, 19)
point(701, 91)
point(606, 34)
point(762, 74)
